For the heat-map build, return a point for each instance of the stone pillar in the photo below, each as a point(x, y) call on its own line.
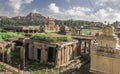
point(21, 52)
point(74, 51)
point(43, 56)
point(64, 54)
point(79, 49)
point(28, 31)
point(8, 54)
point(35, 53)
point(62, 58)
point(58, 57)
point(31, 52)
point(33, 31)
point(89, 48)
point(13, 46)
point(70, 48)
point(79, 32)
point(67, 54)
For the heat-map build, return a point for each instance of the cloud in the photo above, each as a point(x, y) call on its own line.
point(17, 4)
point(67, 0)
point(76, 11)
point(53, 8)
point(104, 12)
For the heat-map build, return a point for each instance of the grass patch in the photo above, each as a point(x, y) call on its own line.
point(87, 31)
point(6, 35)
point(50, 37)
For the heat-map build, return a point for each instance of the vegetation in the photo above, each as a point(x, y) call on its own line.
point(50, 37)
point(6, 35)
point(2, 67)
point(87, 31)
point(35, 67)
point(79, 24)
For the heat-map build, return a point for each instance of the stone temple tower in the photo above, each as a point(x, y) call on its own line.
point(105, 54)
point(50, 26)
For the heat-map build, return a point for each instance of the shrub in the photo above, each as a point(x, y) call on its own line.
point(50, 37)
point(6, 35)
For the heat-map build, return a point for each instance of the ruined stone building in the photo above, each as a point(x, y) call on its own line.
point(57, 54)
point(50, 26)
point(105, 55)
point(65, 30)
point(24, 29)
point(6, 48)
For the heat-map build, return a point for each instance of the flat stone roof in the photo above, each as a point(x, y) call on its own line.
point(23, 27)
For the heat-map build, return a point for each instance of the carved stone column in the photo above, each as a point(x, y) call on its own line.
point(58, 57)
point(79, 49)
point(43, 56)
point(31, 51)
point(21, 52)
point(13, 46)
point(35, 53)
point(62, 59)
point(9, 54)
point(89, 48)
point(65, 49)
point(67, 54)
point(74, 50)
point(70, 52)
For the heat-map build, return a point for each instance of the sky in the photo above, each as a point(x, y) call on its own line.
point(91, 10)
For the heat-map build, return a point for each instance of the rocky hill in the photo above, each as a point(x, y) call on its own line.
point(30, 19)
point(38, 19)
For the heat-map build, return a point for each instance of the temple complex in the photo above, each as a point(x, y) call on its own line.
point(50, 26)
point(65, 30)
point(62, 54)
point(105, 54)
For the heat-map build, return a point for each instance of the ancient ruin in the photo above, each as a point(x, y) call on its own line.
point(52, 49)
point(50, 26)
point(105, 53)
point(24, 29)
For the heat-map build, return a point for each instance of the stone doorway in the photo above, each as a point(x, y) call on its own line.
point(51, 54)
point(39, 54)
point(27, 50)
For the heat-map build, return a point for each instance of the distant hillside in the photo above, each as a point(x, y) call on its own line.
point(30, 19)
point(38, 19)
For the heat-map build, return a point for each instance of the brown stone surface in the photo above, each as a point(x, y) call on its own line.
point(105, 54)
